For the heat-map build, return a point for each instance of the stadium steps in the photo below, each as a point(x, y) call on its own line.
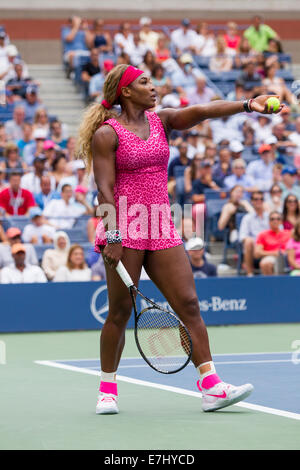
point(215, 256)
point(58, 94)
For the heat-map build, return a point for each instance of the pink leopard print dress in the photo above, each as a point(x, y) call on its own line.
point(141, 195)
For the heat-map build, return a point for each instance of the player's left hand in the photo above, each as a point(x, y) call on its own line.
point(259, 104)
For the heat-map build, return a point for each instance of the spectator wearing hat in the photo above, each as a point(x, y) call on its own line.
point(79, 177)
point(31, 102)
point(205, 181)
point(146, 34)
point(62, 213)
point(271, 243)
point(183, 38)
point(195, 143)
point(13, 235)
point(14, 127)
point(236, 148)
point(251, 225)
point(240, 178)
point(184, 77)
point(261, 170)
point(20, 272)
point(200, 267)
point(54, 258)
point(32, 180)
point(36, 148)
point(289, 182)
point(38, 231)
point(201, 94)
point(12, 161)
point(15, 200)
point(97, 81)
point(46, 193)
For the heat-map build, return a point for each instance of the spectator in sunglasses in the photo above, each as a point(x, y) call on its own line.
point(270, 244)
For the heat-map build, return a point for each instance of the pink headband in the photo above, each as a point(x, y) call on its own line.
point(130, 74)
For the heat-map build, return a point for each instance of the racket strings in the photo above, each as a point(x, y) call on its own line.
point(163, 339)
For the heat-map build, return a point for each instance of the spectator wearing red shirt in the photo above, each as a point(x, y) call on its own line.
point(271, 243)
point(15, 200)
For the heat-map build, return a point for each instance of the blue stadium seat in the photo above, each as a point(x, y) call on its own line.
point(76, 235)
point(212, 214)
point(19, 222)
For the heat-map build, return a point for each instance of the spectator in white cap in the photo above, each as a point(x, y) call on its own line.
point(200, 267)
point(236, 148)
point(20, 272)
point(240, 178)
point(38, 231)
point(36, 148)
point(147, 35)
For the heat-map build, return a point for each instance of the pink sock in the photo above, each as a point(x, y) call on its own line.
point(210, 378)
point(108, 387)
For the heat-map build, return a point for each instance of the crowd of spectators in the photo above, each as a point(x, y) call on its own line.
point(249, 163)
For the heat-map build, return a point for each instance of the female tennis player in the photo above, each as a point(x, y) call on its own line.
point(129, 153)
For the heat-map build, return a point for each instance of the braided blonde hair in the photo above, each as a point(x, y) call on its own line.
point(96, 114)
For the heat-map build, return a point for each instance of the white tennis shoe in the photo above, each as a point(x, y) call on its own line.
point(107, 403)
point(222, 395)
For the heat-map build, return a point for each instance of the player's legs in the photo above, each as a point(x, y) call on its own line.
point(171, 271)
point(120, 306)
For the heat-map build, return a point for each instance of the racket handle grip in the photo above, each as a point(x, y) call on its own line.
point(122, 271)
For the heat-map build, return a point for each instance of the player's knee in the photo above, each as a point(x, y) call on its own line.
point(190, 307)
point(120, 314)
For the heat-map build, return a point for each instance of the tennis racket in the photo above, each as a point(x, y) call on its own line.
point(161, 338)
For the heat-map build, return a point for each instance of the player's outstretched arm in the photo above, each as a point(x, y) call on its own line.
point(190, 116)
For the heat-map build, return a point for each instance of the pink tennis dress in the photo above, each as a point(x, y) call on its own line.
point(141, 195)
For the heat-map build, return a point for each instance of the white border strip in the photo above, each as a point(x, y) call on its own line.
point(181, 391)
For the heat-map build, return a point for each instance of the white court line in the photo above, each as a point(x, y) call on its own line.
point(181, 391)
point(214, 355)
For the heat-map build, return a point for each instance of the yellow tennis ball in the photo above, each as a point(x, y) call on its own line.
point(273, 102)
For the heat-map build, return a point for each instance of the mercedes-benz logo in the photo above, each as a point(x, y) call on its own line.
point(99, 312)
